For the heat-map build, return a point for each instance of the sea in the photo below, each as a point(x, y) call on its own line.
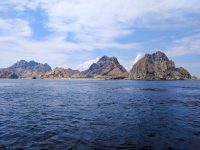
point(99, 114)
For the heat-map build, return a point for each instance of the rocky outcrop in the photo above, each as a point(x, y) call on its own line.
point(60, 73)
point(157, 67)
point(32, 66)
point(106, 67)
point(7, 74)
point(24, 69)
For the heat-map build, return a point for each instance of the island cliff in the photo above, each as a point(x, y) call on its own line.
point(157, 66)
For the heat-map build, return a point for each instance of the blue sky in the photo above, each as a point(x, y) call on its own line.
point(76, 33)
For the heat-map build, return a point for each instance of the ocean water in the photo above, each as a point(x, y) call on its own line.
point(98, 114)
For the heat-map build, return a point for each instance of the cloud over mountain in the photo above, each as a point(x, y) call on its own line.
point(64, 29)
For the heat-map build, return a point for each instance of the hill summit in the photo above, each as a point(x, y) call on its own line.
point(106, 67)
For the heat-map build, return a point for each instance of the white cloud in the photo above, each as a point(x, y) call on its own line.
point(15, 27)
point(101, 21)
point(95, 24)
point(85, 65)
point(138, 57)
point(185, 45)
point(129, 64)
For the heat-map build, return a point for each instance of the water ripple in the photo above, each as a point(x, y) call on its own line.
point(92, 114)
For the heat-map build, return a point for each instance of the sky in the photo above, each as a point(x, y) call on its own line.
point(76, 33)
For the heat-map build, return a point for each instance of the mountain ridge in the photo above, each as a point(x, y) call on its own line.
point(31, 65)
point(155, 66)
point(24, 69)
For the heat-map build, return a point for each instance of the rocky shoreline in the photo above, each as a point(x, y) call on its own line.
point(154, 66)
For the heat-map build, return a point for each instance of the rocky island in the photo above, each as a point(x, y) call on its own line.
point(106, 68)
point(156, 66)
point(25, 70)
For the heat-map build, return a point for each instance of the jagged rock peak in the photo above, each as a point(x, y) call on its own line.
point(106, 67)
point(106, 58)
point(159, 56)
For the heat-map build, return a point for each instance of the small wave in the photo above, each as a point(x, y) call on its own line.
point(153, 89)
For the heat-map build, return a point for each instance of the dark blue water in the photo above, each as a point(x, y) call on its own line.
point(89, 114)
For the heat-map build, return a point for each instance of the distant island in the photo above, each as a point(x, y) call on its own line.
point(154, 66)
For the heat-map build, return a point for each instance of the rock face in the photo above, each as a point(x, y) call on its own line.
point(32, 65)
point(157, 67)
point(24, 69)
point(7, 74)
point(106, 67)
point(59, 73)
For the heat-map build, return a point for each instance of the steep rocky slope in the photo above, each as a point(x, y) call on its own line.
point(157, 66)
point(106, 67)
